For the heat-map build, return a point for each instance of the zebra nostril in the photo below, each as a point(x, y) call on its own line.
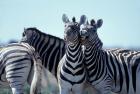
point(83, 34)
point(83, 37)
point(86, 37)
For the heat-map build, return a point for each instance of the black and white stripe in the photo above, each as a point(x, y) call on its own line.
point(115, 70)
point(72, 75)
point(50, 48)
point(15, 64)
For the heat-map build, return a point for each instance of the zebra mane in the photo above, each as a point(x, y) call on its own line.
point(42, 33)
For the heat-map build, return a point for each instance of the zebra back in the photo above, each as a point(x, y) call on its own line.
point(50, 48)
point(15, 65)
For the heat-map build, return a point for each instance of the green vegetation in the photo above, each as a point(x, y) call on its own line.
point(8, 90)
point(45, 90)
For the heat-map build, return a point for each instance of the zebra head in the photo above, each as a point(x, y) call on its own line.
point(72, 28)
point(89, 36)
point(29, 35)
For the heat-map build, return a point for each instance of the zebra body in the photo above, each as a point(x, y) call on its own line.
point(115, 70)
point(72, 75)
point(51, 49)
point(15, 65)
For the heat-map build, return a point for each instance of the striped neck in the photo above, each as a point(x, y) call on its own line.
point(93, 60)
point(74, 55)
point(94, 42)
point(73, 49)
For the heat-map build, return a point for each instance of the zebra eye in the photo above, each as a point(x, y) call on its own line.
point(94, 30)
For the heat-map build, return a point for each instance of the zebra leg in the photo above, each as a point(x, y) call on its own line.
point(64, 90)
point(88, 89)
point(36, 82)
point(78, 88)
point(64, 87)
point(35, 86)
point(16, 74)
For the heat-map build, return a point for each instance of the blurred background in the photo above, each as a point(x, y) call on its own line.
point(121, 20)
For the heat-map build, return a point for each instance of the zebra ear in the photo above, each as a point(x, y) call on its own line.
point(65, 19)
point(87, 23)
point(99, 23)
point(24, 29)
point(82, 19)
point(73, 19)
point(92, 22)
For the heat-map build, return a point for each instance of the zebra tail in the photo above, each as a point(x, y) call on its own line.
point(36, 82)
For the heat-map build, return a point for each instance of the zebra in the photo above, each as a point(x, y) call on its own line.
point(71, 73)
point(15, 64)
point(50, 48)
point(115, 70)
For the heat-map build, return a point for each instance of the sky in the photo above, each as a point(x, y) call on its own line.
point(121, 18)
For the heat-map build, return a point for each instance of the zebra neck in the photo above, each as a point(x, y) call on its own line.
point(95, 44)
point(93, 63)
point(94, 50)
point(74, 53)
point(92, 54)
point(73, 48)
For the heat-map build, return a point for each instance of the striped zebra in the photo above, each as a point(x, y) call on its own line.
point(115, 70)
point(15, 64)
point(72, 74)
point(50, 48)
